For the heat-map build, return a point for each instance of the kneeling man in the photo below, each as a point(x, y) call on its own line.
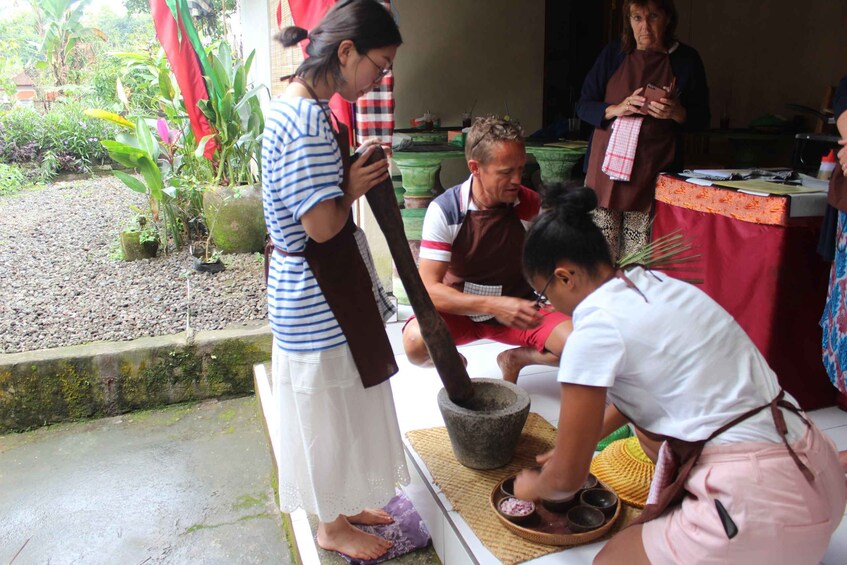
point(470, 258)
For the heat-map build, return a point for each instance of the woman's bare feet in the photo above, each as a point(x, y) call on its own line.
point(371, 517)
point(339, 535)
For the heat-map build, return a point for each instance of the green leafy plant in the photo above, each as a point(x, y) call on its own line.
point(12, 179)
point(61, 29)
point(48, 168)
point(146, 229)
point(137, 149)
point(234, 111)
point(27, 136)
point(671, 252)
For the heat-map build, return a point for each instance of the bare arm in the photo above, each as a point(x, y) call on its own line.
point(324, 220)
point(509, 311)
point(580, 425)
point(841, 124)
point(612, 420)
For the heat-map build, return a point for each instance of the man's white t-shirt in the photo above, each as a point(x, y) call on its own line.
point(676, 363)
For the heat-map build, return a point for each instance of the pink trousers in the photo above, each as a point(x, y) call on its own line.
point(781, 517)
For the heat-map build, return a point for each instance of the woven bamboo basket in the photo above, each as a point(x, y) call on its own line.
point(626, 469)
point(621, 433)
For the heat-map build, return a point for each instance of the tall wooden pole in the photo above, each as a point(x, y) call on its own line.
point(439, 342)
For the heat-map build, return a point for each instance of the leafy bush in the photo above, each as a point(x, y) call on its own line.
point(72, 137)
point(12, 179)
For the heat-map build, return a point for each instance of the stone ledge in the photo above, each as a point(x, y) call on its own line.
point(44, 387)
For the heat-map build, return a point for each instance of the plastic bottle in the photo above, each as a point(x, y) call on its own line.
point(827, 165)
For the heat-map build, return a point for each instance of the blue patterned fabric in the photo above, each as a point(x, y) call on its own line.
point(834, 319)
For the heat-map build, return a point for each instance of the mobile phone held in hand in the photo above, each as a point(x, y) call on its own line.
point(652, 93)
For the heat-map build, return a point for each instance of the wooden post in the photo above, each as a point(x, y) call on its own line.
point(434, 331)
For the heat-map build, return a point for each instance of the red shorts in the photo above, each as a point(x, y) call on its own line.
point(464, 330)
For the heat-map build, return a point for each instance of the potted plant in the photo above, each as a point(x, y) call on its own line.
point(232, 205)
point(140, 240)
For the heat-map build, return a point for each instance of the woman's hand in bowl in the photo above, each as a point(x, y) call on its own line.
point(526, 485)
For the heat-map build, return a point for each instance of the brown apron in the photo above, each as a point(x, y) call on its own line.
point(487, 251)
point(347, 287)
point(656, 141)
point(685, 454)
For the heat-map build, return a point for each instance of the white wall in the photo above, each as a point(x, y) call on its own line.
point(458, 51)
point(761, 55)
point(257, 29)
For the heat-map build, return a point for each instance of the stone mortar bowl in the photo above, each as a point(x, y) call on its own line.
point(484, 431)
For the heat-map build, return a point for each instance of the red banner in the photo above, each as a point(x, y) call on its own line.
point(186, 67)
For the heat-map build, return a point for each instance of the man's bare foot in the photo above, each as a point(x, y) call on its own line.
point(512, 361)
point(339, 535)
point(371, 517)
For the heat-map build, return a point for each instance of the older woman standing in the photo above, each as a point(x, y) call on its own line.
point(623, 175)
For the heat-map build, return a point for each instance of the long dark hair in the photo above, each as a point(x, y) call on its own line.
point(364, 22)
point(628, 42)
point(565, 231)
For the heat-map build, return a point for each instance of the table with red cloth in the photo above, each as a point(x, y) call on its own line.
point(761, 265)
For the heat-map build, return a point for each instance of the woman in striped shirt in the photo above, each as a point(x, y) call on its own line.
point(339, 451)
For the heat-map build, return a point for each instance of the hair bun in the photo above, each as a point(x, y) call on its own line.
point(292, 35)
point(573, 205)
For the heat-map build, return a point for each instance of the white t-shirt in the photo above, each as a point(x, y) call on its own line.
point(676, 363)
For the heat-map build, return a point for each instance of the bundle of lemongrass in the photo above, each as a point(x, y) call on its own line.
point(671, 252)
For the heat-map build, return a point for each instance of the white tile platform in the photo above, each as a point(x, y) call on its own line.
point(415, 391)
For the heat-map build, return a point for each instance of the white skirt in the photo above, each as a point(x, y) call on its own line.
point(340, 449)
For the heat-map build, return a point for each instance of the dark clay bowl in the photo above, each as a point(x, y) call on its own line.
point(519, 519)
point(590, 482)
point(507, 487)
point(584, 519)
point(600, 499)
point(560, 506)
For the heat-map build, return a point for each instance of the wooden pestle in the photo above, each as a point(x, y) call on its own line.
point(439, 342)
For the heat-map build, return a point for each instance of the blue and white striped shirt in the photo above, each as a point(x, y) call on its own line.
point(301, 167)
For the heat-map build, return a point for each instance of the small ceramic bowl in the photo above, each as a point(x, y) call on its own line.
point(590, 482)
point(584, 519)
point(560, 506)
point(516, 510)
point(600, 499)
point(507, 487)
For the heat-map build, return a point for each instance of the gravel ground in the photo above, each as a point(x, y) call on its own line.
point(59, 287)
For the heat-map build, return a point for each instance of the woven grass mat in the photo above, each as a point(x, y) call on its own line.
point(469, 490)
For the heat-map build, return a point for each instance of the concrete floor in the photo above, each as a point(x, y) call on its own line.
point(185, 484)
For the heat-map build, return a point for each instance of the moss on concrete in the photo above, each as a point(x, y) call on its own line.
point(74, 387)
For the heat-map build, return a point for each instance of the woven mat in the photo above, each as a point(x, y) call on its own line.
point(469, 490)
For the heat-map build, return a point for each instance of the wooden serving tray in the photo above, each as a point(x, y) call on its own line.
point(551, 528)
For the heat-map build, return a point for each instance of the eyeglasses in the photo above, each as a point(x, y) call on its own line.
point(382, 70)
point(540, 296)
